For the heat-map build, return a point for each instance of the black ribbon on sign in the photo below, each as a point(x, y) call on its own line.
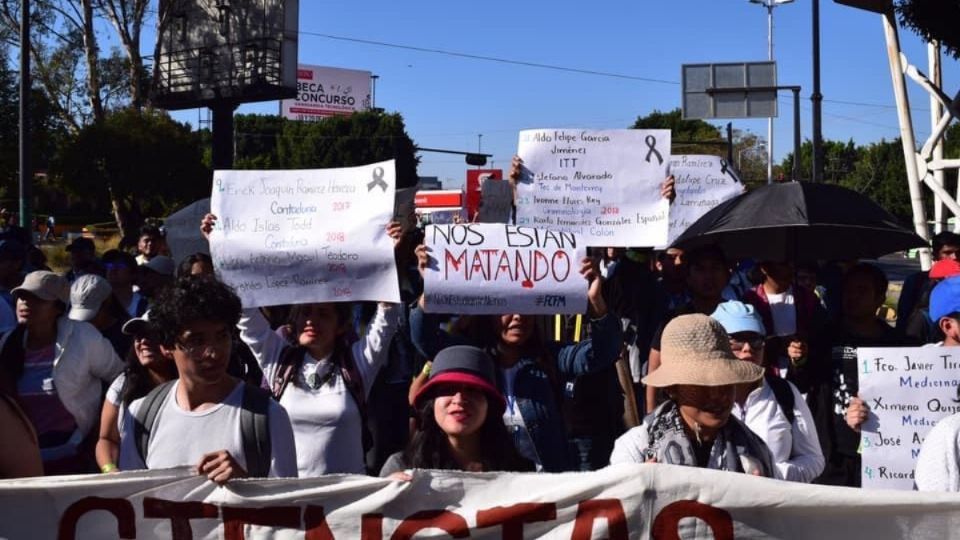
point(377, 180)
point(724, 169)
point(652, 146)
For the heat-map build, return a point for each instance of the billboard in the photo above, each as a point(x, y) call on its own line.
point(327, 91)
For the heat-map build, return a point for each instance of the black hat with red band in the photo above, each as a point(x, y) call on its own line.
point(463, 365)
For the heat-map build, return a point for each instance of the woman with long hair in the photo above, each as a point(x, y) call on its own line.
point(146, 367)
point(530, 374)
point(321, 376)
point(695, 425)
point(460, 420)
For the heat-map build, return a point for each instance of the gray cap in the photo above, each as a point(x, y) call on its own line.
point(45, 285)
point(162, 264)
point(467, 366)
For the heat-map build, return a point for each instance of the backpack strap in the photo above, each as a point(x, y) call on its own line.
point(255, 431)
point(354, 383)
point(784, 396)
point(146, 418)
point(291, 358)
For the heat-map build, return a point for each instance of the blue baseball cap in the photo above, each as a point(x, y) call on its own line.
point(945, 298)
point(739, 317)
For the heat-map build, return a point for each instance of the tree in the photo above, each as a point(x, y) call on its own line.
point(138, 163)
point(271, 142)
point(839, 160)
point(686, 131)
point(934, 20)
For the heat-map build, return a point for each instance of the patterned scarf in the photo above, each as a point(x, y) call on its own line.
point(734, 444)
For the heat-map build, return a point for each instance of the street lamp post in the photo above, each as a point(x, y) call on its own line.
point(770, 4)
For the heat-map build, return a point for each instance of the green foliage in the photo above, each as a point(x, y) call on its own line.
point(934, 20)
point(146, 162)
point(685, 131)
point(271, 142)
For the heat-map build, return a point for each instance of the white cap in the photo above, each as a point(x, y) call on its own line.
point(87, 294)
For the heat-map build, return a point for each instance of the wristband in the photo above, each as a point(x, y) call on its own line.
point(108, 468)
point(426, 369)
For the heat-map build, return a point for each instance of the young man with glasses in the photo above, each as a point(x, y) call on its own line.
point(206, 418)
point(772, 407)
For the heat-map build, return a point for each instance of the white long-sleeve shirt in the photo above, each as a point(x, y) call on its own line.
point(938, 464)
point(326, 420)
point(795, 448)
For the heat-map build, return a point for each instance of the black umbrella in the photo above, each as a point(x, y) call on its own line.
point(800, 221)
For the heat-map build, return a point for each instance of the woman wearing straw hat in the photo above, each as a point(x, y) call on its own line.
point(459, 414)
point(694, 427)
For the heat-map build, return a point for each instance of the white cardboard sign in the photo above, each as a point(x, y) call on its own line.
point(493, 268)
point(602, 185)
point(908, 391)
point(702, 182)
point(301, 236)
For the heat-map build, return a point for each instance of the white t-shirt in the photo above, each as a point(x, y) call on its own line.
point(113, 397)
point(326, 423)
point(938, 464)
point(784, 313)
point(795, 447)
point(183, 437)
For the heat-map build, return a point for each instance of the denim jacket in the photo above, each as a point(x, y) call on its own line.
point(537, 395)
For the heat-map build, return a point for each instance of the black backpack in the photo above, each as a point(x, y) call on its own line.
point(254, 426)
point(784, 395)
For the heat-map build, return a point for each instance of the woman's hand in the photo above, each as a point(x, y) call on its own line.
point(220, 467)
point(668, 189)
point(400, 476)
point(395, 231)
point(857, 413)
point(590, 271)
point(797, 351)
point(206, 225)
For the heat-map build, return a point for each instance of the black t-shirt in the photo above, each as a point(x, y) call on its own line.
point(841, 383)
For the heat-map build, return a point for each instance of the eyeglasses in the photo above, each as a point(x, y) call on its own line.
point(755, 343)
point(197, 350)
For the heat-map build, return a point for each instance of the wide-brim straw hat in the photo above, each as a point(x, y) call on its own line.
point(695, 350)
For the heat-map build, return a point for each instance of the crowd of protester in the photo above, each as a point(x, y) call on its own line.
point(131, 361)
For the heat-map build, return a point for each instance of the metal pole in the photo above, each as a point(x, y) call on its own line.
point(373, 97)
point(730, 142)
point(26, 168)
point(223, 135)
point(796, 134)
point(906, 133)
point(936, 112)
point(770, 7)
point(816, 98)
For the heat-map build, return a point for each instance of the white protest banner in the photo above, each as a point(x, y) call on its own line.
point(619, 502)
point(602, 185)
point(301, 236)
point(327, 91)
point(183, 235)
point(908, 391)
point(702, 182)
point(494, 268)
point(496, 200)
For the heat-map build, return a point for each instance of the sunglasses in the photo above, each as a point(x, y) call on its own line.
point(755, 343)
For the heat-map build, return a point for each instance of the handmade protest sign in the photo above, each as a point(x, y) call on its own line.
point(908, 391)
point(182, 235)
point(602, 185)
point(702, 182)
point(496, 200)
point(300, 236)
point(492, 268)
